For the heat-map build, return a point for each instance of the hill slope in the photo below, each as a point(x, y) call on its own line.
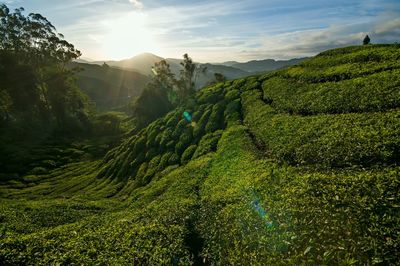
point(265, 65)
point(109, 87)
point(298, 166)
point(141, 63)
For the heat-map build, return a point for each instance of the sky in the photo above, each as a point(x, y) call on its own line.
point(218, 30)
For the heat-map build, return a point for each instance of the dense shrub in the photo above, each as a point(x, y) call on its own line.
point(188, 153)
point(216, 119)
point(232, 112)
point(330, 140)
point(208, 143)
point(376, 92)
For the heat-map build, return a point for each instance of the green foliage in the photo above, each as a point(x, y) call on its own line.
point(232, 112)
point(174, 159)
point(109, 88)
point(311, 217)
point(38, 95)
point(151, 104)
point(329, 140)
point(325, 136)
point(164, 91)
point(188, 153)
point(33, 38)
point(107, 123)
point(216, 119)
point(207, 144)
point(32, 57)
point(199, 129)
point(345, 63)
point(211, 95)
point(375, 92)
point(281, 169)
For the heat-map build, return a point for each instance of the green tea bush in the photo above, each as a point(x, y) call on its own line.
point(376, 92)
point(164, 161)
point(199, 129)
point(211, 95)
point(174, 159)
point(232, 113)
point(301, 170)
point(208, 143)
point(329, 140)
point(188, 153)
point(216, 119)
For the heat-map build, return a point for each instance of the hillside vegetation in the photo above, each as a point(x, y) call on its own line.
point(295, 167)
point(109, 88)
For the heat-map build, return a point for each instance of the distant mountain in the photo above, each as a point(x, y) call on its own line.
point(174, 61)
point(211, 69)
point(141, 63)
point(109, 87)
point(81, 60)
point(228, 72)
point(256, 66)
point(227, 63)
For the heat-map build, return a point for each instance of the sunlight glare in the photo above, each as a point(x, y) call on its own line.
point(128, 36)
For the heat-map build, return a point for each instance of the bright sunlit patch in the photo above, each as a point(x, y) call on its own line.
point(128, 36)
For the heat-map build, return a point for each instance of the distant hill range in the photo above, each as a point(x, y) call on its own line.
point(257, 66)
point(143, 63)
point(231, 69)
point(114, 84)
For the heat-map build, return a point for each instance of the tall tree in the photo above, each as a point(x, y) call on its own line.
point(165, 79)
point(32, 66)
point(188, 78)
point(164, 91)
point(366, 40)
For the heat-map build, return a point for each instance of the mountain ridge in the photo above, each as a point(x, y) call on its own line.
point(144, 61)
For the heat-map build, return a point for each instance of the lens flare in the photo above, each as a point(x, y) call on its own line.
point(187, 116)
point(257, 207)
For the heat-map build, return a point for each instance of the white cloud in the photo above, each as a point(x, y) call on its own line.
point(311, 42)
point(137, 4)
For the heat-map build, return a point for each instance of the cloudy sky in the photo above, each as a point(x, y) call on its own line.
point(217, 30)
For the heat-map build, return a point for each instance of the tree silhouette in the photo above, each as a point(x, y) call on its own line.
point(35, 84)
point(366, 40)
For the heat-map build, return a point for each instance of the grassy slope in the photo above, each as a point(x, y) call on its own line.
point(301, 173)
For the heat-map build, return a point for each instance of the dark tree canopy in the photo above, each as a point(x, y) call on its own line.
point(188, 77)
point(165, 91)
point(33, 38)
point(35, 86)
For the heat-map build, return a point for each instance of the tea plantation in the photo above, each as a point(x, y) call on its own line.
point(295, 167)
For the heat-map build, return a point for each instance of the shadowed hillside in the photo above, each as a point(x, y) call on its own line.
point(298, 167)
point(109, 87)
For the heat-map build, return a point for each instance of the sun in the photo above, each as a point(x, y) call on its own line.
point(128, 36)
